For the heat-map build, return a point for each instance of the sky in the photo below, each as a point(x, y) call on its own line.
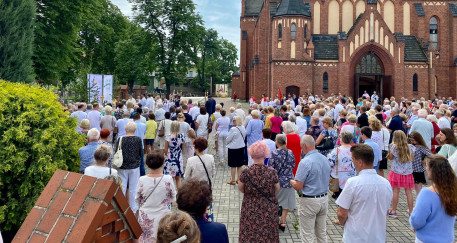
point(221, 15)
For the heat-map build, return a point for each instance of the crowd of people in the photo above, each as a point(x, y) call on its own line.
point(307, 144)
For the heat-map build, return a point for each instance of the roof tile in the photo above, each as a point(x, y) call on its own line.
point(253, 7)
point(294, 7)
point(325, 47)
point(419, 9)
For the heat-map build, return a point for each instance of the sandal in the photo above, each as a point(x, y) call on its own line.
point(282, 226)
point(237, 181)
point(231, 183)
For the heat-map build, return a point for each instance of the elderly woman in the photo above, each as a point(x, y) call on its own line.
point(340, 160)
point(293, 142)
point(178, 227)
point(101, 157)
point(314, 130)
point(132, 150)
point(108, 121)
point(222, 129)
point(436, 131)
point(254, 128)
point(236, 148)
point(352, 128)
point(259, 183)
point(283, 161)
point(202, 165)
point(201, 123)
point(328, 132)
point(196, 204)
point(156, 192)
point(85, 126)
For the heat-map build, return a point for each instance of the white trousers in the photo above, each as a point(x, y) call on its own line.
point(222, 147)
point(312, 214)
point(130, 178)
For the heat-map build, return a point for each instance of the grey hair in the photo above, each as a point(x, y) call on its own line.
point(130, 127)
point(292, 118)
point(432, 118)
point(93, 134)
point(281, 139)
point(145, 110)
point(396, 110)
point(108, 110)
point(239, 106)
point(218, 107)
point(288, 127)
point(422, 113)
point(346, 137)
point(255, 113)
point(308, 140)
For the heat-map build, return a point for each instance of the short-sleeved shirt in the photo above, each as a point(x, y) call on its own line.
point(367, 197)
point(395, 124)
point(99, 171)
point(314, 172)
point(79, 115)
point(376, 150)
point(419, 156)
point(202, 121)
point(120, 124)
point(362, 121)
point(151, 128)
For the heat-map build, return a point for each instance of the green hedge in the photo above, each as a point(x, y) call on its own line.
point(36, 138)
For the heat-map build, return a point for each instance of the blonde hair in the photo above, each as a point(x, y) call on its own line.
point(352, 118)
point(130, 127)
point(399, 139)
point(237, 121)
point(175, 128)
point(375, 123)
point(174, 225)
point(130, 105)
point(108, 110)
point(85, 124)
point(327, 120)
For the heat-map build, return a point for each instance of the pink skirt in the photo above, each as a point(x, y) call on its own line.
point(401, 181)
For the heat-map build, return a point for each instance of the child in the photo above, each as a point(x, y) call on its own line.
point(401, 175)
point(422, 150)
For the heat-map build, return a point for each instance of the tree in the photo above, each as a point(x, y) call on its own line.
point(135, 57)
point(207, 49)
point(16, 40)
point(174, 25)
point(57, 26)
point(36, 138)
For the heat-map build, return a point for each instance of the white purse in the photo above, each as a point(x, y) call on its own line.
point(118, 158)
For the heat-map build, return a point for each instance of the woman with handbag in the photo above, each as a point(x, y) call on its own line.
point(340, 160)
point(236, 149)
point(131, 148)
point(326, 141)
point(259, 211)
point(283, 161)
point(155, 194)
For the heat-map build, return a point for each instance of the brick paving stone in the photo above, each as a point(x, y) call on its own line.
point(227, 202)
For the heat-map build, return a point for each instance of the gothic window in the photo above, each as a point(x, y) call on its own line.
point(292, 31)
point(306, 31)
point(434, 32)
point(280, 31)
point(415, 85)
point(325, 81)
point(368, 64)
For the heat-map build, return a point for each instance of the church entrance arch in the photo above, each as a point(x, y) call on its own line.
point(372, 71)
point(292, 90)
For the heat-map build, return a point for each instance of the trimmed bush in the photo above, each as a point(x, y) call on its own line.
point(36, 138)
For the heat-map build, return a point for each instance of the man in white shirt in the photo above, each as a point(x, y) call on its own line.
point(131, 99)
point(150, 103)
point(364, 202)
point(336, 112)
point(302, 126)
point(160, 113)
point(375, 97)
point(443, 121)
point(194, 111)
point(95, 117)
point(79, 115)
point(240, 112)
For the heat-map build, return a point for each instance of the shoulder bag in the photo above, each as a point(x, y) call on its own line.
point(334, 184)
point(162, 129)
point(244, 139)
point(326, 144)
point(263, 194)
point(153, 189)
point(118, 158)
point(207, 174)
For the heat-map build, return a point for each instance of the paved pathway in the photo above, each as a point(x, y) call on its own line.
point(227, 201)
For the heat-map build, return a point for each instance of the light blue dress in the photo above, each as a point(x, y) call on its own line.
point(254, 131)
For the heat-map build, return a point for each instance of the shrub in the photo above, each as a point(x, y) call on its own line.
point(36, 138)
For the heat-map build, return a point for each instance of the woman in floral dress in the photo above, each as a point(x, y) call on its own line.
point(259, 211)
point(174, 162)
point(155, 194)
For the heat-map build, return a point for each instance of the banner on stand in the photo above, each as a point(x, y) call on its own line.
point(100, 86)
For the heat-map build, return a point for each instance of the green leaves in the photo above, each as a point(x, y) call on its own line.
point(36, 138)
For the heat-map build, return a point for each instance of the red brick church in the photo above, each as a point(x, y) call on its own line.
point(396, 47)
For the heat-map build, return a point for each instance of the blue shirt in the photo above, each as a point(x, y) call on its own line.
point(376, 150)
point(254, 131)
point(86, 155)
point(395, 124)
point(314, 171)
point(140, 130)
point(430, 220)
point(212, 232)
